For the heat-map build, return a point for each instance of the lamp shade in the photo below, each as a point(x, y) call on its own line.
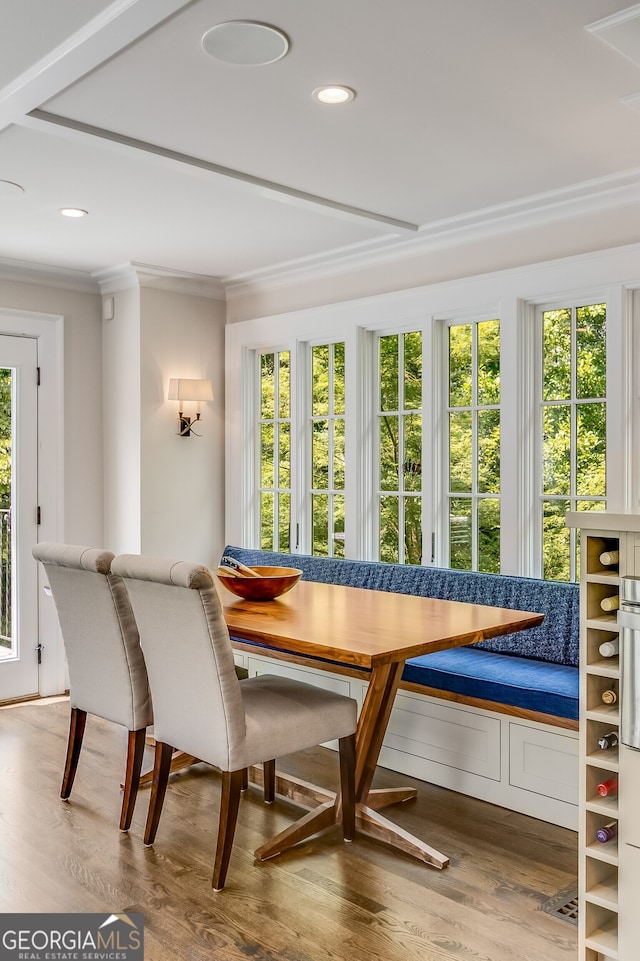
point(181, 388)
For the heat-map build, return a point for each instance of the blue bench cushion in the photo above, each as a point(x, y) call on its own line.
point(556, 640)
point(517, 681)
point(533, 670)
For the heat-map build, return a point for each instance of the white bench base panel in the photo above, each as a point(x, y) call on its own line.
point(522, 765)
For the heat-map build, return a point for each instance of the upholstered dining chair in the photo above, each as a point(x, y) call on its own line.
point(202, 707)
point(107, 673)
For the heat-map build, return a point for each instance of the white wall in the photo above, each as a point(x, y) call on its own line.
point(122, 424)
point(127, 481)
point(182, 478)
point(150, 490)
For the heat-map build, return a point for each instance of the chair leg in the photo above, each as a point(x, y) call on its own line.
point(74, 746)
point(229, 804)
point(347, 747)
point(135, 753)
point(245, 779)
point(269, 773)
point(161, 767)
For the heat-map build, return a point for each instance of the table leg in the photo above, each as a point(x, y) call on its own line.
point(372, 726)
point(179, 761)
point(312, 822)
point(384, 830)
point(298, 791)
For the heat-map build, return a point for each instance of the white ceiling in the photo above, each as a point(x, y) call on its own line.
point(466, 110)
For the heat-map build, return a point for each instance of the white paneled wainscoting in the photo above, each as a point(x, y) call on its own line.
point(516, 763)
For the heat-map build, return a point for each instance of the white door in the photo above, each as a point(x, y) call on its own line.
point(18, 517)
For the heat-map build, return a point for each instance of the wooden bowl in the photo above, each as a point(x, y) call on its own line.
point(272, 583)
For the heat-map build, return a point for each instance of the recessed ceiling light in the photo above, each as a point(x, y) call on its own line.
point(73, 212)
point(334, 94)
point(245, 42)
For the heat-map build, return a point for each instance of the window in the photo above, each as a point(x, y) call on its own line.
point(327, 450)
point(459, 438)
point(473, 422)
point(573, 428)
point(7, 427)
point(400, 458)
point(275, 450)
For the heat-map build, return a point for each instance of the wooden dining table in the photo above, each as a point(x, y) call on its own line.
point(340, 629)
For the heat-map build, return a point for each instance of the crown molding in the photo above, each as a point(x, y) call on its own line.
point(134, 275)
point(587, 198)
point(46, 275)
point(112, 279)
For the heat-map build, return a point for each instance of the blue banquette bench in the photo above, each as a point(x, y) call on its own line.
point(531, 674)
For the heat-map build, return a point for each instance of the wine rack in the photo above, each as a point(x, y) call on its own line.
point(598, 910)
point(609, 871)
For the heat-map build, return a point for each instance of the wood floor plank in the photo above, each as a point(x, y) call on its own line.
point(323, 900)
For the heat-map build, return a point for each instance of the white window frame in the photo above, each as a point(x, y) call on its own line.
point(488, 313)
point(293, 420)
point(513, 296)
point(619, 407)
point(377, 492)
point(304, 406)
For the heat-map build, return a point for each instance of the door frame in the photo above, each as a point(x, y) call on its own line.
point(48, 330)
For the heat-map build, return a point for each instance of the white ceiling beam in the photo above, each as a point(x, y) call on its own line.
point(121, 23)
point(264, 187)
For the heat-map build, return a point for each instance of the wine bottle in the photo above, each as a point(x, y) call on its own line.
point(607, 832)
point(609, 648)
point(611, 603)
point(609, 557)
point(609, 696)
point(606, 788)
point(608, 740)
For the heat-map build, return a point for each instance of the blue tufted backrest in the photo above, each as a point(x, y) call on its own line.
point(555, 640)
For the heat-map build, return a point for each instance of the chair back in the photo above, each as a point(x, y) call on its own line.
point(107, 672)
point(196, 693)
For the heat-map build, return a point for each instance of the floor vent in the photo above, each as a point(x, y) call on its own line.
point(564, 907)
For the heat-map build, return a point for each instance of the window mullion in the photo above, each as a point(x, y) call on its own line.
point(475, 448)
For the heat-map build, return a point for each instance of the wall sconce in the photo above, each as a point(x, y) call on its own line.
point(184, 389)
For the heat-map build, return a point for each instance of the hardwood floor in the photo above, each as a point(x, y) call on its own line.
point(323, 901)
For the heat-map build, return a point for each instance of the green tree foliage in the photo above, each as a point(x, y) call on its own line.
point(474, 446)
point(275, 451)
point(574, 387)
point(5, 505)
point(400, 447)
point(328, 449)
point(5, 438)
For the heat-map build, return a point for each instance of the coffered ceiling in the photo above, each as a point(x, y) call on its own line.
point(466, 112)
